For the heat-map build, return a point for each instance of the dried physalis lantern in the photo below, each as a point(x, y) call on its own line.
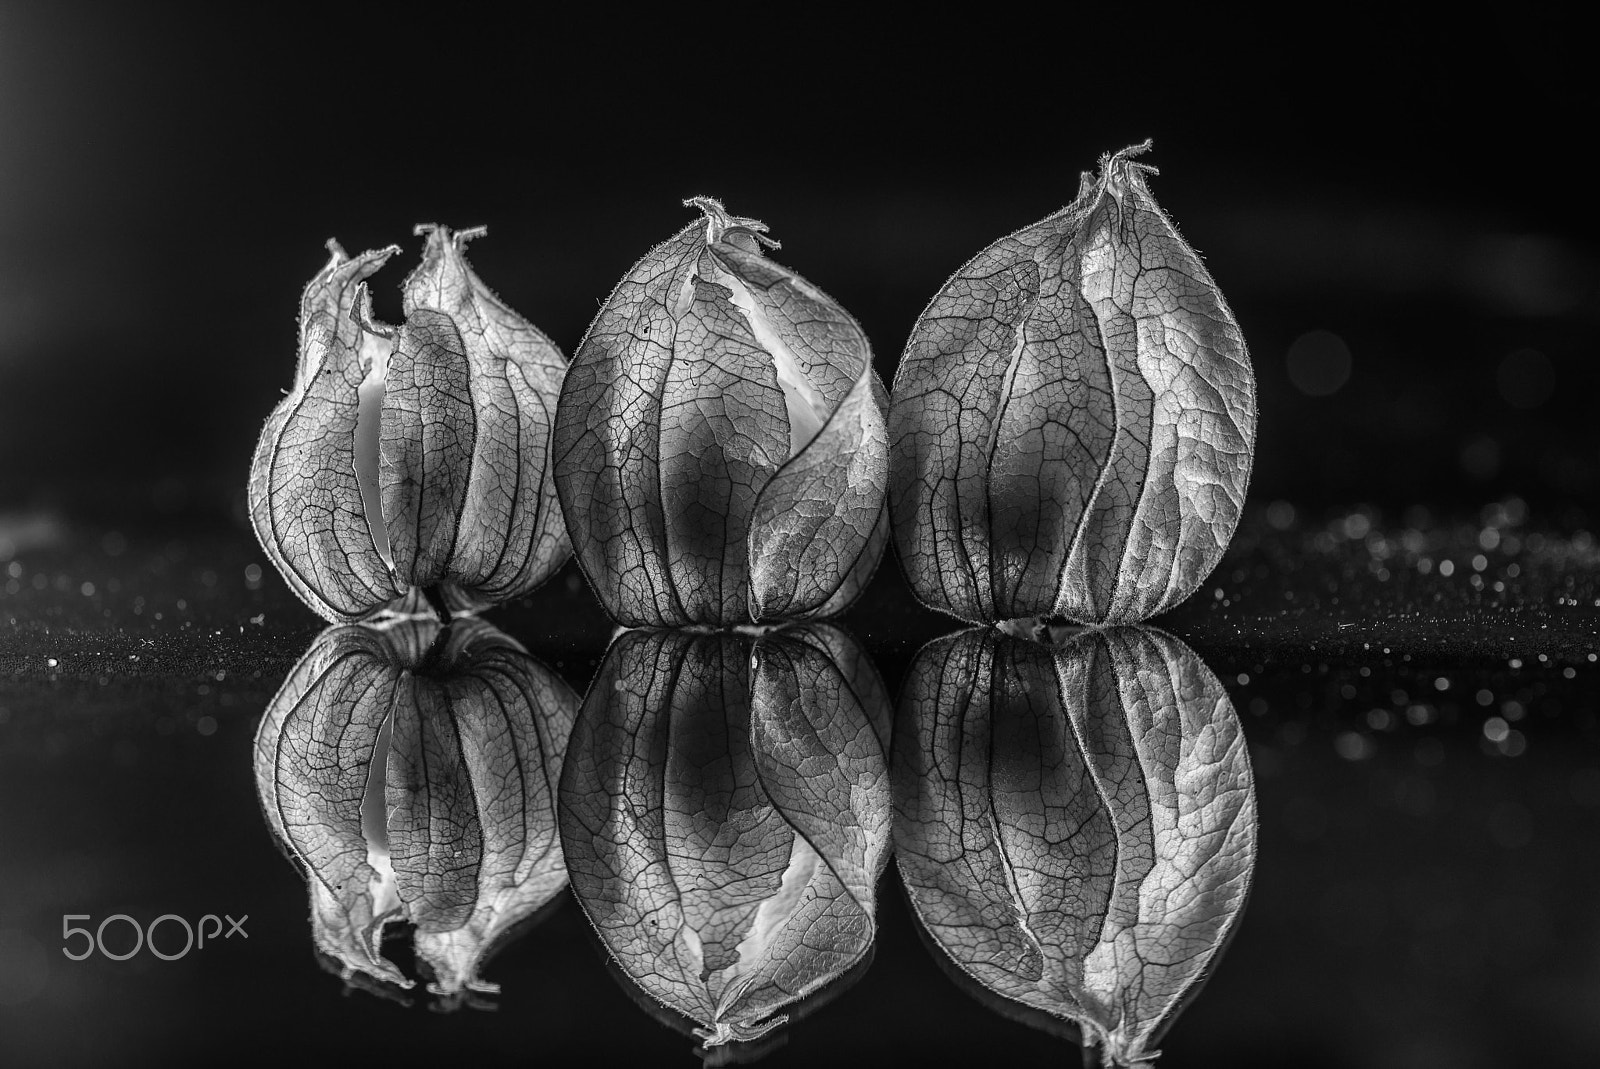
point(409, 467)
point(721, 451)
point(1074, 420)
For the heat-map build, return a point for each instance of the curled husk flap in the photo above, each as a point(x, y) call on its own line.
point(1073, 421)
point(721, 446)
point(725, 817)
point(1075, 825)
point(411, 776)
point(410, 466)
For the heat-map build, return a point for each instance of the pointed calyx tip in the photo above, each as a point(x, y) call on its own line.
point(1116, 167)
point(718, 221)
point(439, 234)
point(362, 313)
point(343, 266)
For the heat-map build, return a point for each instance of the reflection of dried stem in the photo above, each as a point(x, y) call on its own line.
point(1045, 630)
point(742, 1052)
point(435, 598)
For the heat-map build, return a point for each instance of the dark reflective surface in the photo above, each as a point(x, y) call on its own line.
point(1427, 785)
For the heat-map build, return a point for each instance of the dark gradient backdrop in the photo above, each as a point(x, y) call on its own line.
point(168, 177)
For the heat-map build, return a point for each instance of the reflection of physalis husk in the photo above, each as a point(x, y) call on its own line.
point(1075, 825)
point(457, 738)
point(725, 817)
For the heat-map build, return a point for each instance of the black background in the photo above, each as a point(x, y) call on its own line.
point(168, 177)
